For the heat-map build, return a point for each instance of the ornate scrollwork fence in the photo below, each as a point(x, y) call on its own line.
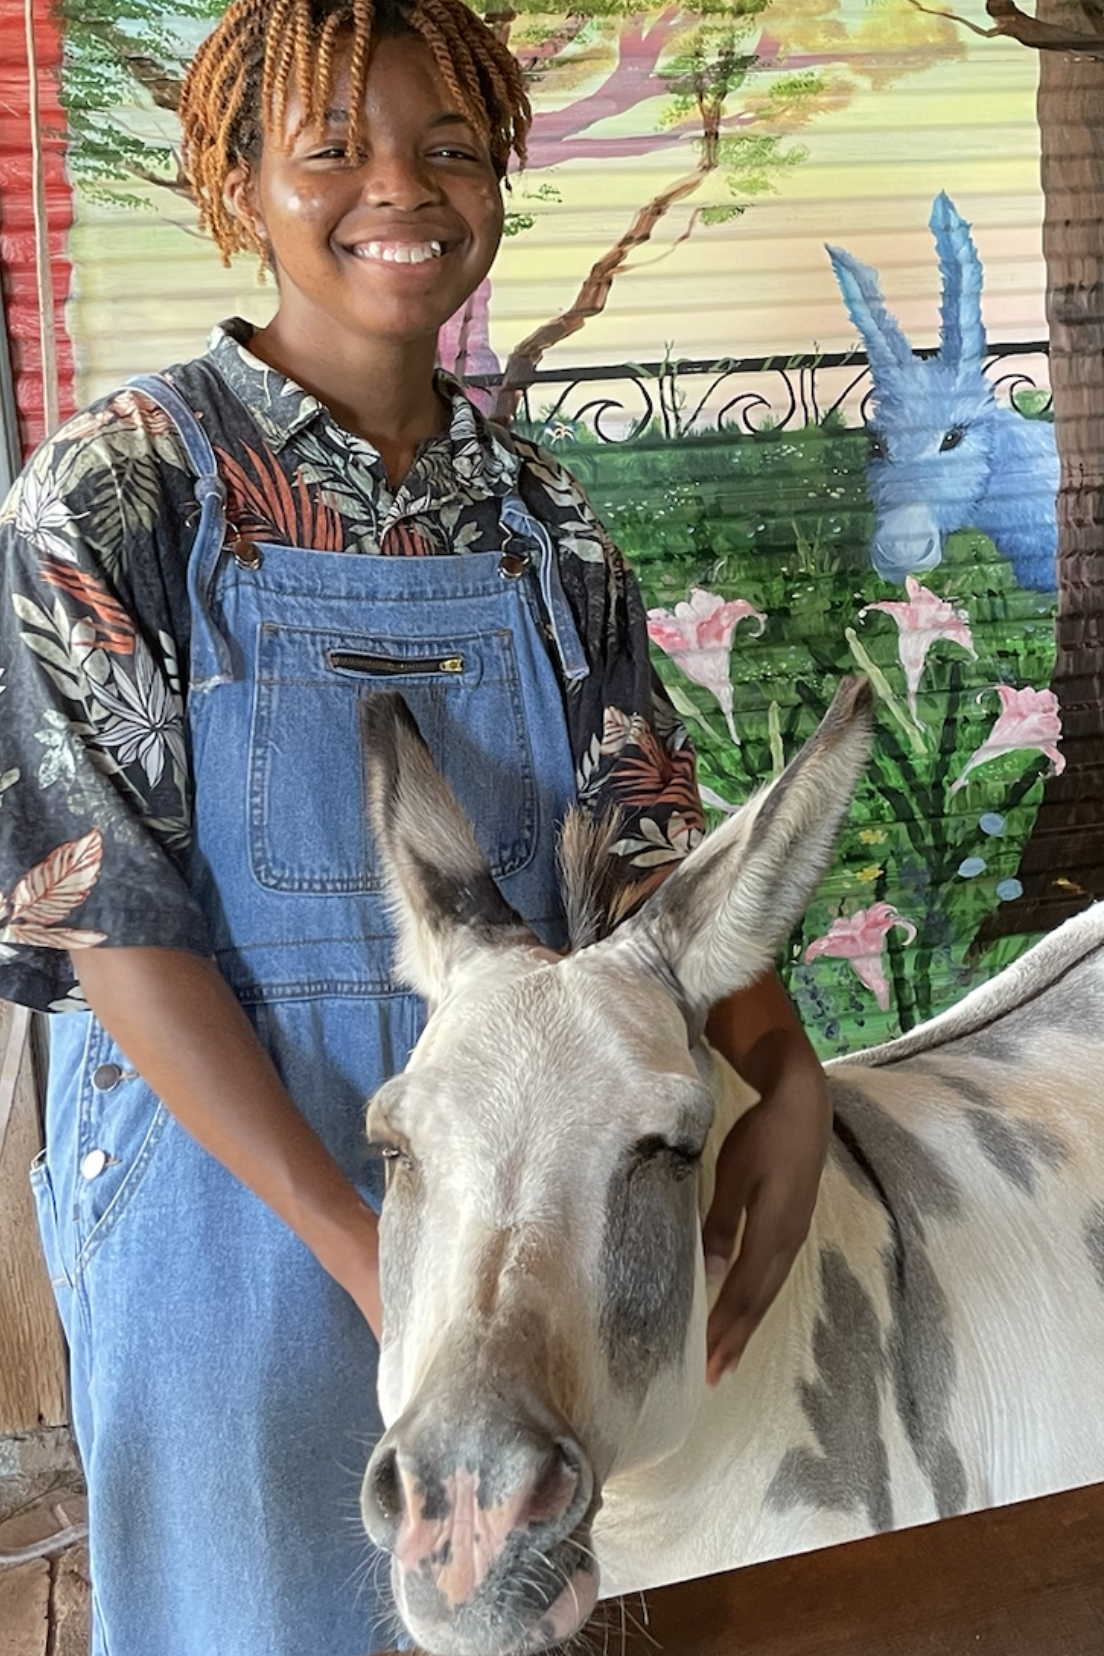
point(679, 397)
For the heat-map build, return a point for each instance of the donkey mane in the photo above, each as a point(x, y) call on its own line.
point(592, 888)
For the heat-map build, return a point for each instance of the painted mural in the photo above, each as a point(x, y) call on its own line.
point(774, 288)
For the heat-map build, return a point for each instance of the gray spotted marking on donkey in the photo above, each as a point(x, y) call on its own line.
point(650, 1251)
point(551, 1147)
point(849, 1470)
point(1094, 1241)
point(1023, 1150)
point(1019, 1150)
point(914, 1186)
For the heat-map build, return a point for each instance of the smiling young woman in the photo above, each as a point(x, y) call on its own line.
point(201, 579)
point(378, 227)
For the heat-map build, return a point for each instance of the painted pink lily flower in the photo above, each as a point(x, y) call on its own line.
point(1028, 719)
point(698, 636)
point(920, 622)
point(860, 938)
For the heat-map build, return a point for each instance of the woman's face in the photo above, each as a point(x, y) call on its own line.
point(386, 249)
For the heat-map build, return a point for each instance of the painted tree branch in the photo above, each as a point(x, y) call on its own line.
point(159, 83)
point(591, 299)
point(632, 80)
point(1010, 21)
point(535, 59)
point(145, 175)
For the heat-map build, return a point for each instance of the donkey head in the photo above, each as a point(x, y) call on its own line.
point(540, 1239)
point(936, 430)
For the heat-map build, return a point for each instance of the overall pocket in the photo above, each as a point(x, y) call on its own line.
point(42, 1193)
point(308, 768)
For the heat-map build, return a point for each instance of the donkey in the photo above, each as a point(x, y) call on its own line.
point(550, 1149)
point(943, 454)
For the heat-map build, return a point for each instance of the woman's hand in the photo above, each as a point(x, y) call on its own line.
point(769, 1167)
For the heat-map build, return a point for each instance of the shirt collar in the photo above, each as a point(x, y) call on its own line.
point(482, 454)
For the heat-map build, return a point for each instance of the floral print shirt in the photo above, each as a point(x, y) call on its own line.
point(95, 805)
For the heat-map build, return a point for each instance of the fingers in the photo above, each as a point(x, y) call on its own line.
point(732, 1189)
point(748, 1293)
point(769, 1246)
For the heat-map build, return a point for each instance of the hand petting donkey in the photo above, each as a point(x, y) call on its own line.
point(944, 455)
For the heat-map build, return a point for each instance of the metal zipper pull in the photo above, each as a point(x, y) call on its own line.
point(382, 666)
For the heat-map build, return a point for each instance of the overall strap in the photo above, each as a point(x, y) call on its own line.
point(517, 519)
point(210, 653)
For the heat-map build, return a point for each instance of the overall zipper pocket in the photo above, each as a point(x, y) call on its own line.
point(358, 661)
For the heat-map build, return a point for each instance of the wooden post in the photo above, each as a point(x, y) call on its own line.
point(32, 1352)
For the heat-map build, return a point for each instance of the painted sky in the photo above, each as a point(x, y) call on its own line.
point(899, 122)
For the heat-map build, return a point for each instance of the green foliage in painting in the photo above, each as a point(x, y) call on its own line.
point(119, 53)
point(780, 520)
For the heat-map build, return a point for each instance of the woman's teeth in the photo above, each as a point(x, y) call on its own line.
point(399, 252)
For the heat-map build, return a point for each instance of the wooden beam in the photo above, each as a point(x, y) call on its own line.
point(1024, 1580)
point(32, 1373)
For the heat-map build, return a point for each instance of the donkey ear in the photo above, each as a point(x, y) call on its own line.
point(886, 345)
point(961, 330)
point(443, 897)
point(716, 924)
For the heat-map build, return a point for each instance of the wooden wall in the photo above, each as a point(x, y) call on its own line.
point(32, 1353)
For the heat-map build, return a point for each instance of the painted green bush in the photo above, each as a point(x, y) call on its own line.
point(780, 520)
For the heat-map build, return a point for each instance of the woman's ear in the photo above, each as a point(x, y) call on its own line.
point(240, 191)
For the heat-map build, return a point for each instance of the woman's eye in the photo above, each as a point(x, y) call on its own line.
point(448, 153)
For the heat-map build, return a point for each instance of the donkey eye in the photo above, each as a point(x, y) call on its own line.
point(879, 448)
point(951, 439)
point(388, 1152)
point(683, 1155)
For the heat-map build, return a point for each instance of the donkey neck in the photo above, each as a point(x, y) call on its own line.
point(801, 1447)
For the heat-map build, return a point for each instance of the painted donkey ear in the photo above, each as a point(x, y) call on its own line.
point(716, 924)
point(886, 345)
point(961, 330)
point(442, 895)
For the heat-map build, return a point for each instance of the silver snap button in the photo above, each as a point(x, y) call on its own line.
point(106, 1076)
point(93, 1164)
point(513, 564)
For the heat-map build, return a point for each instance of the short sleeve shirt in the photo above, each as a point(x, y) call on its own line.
point(95, 784)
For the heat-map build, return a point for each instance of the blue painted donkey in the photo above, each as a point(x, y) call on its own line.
point(944, 455)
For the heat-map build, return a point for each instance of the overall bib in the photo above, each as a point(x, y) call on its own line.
point(224, 1387)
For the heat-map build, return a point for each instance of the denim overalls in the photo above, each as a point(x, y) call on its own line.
point(223, 1385)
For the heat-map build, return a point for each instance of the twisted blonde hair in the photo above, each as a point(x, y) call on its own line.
point(236, 93)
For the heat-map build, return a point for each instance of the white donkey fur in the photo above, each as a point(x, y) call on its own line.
point(1021, 1265)
point(939, 1344)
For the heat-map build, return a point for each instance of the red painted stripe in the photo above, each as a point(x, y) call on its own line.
point(17, 241)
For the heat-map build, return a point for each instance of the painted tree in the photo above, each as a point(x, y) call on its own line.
point(1062, 868)
point(721, 86)
point(1064, 862)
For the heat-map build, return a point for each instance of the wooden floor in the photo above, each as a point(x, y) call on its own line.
point(44, 1604)
point(1022, 1581)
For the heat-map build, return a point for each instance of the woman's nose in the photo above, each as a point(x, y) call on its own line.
point(393, 178)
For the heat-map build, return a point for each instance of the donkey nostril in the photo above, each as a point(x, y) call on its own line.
point(557, 1484)
point(385, 1486)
